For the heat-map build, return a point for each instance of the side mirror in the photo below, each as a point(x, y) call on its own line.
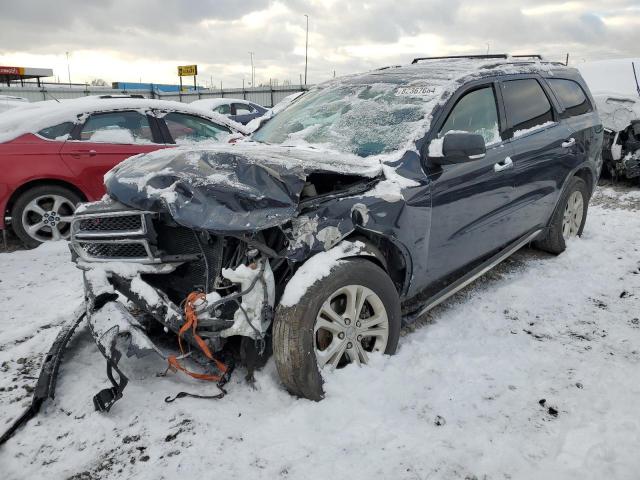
point(457, 147)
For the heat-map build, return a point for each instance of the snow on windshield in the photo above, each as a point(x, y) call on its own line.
point(366, 120)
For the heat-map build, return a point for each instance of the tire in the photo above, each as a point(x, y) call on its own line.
point(554, 240)
point(296, 343)
point(30, 209)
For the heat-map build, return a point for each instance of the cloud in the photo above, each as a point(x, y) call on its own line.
point(344, 36)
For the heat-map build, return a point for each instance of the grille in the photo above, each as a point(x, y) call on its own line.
point(111, 224)
point(177, 240)
point(106, 250)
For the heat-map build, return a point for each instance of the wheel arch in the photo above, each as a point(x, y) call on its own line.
point(587, 175)
point(388, 255)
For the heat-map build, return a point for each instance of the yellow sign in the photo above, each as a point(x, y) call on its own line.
point(188, 70)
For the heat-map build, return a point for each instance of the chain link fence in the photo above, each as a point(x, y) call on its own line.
point(266, 96)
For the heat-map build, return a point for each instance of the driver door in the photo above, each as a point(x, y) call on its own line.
point(471, 201)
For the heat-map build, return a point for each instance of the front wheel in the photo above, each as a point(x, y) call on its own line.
point(341, 319)
point(569, 219)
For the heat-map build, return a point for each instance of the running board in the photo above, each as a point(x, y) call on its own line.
point(469, 277)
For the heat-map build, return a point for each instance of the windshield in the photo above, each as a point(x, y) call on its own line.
point(361, 119)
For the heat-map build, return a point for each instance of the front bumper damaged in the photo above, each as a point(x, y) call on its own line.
point(113, 327)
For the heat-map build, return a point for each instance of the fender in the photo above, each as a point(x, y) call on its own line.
point(319, 266)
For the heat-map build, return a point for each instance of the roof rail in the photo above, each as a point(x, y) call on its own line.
point(117, 96)
point(535, 55)
point(489, 57)
point(503, 56)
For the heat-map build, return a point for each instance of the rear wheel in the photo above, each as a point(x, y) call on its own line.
point(44, 213)
point(569, 219)
point(341, 319)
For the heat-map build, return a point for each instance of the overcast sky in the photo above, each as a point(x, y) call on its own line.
point(120, 40)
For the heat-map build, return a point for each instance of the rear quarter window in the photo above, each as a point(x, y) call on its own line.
point(527, 105)
point(571, 96)
point(57, 132)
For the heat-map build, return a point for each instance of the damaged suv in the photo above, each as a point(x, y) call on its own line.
point(367, 201)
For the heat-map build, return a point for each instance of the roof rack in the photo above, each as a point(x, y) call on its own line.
point(133, 95)
point(535, 55)
point(502, 56)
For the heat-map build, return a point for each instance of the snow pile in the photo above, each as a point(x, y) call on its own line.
point(316, 268)
point(435, 147)
point(526, 131)
point(248, 320)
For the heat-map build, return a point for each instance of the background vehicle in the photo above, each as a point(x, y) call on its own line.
point(8, 102)
point(54, 155)
point(362, 204)
point(241, 111)
point(616, 91)
point(620, 116)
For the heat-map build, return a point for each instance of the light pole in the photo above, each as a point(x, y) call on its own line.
point(253, 80)
point(306, 51)
point(68, 68)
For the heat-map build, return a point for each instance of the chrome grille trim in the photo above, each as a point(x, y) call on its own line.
point(76, 225)
point(136, 238)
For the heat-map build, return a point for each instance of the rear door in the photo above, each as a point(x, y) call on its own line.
point(542, 151)
point(107, 138)
point(578, 114)
point(471, 201)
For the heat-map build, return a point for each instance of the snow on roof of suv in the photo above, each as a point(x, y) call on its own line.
point(34, 117)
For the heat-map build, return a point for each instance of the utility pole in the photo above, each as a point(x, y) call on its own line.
point(68, 68)
point(253, 79)
point(306, 51)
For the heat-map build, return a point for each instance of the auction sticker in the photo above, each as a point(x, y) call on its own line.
point(415, 91)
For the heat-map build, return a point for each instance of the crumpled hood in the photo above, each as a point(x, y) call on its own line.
point(232, 188)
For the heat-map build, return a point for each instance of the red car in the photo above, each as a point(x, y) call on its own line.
point(54, 155)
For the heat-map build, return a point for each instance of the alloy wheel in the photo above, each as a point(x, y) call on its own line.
point(351, 323)
point(573, 213)
point(48, 217)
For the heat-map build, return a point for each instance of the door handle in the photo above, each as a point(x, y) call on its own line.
point(504, 165)
point(569, 143)
point(79, 153)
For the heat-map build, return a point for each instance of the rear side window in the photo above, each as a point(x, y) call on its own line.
point(527, 105)
point(223, 109)
point(475, 112)
point(242, 109)
point(117, 127)
point(57, 132)
point(188, 128)
point(571, 96)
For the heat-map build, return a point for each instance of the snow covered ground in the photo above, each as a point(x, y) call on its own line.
point(532, 372)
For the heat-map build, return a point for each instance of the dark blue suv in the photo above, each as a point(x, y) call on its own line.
point(365, 202)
